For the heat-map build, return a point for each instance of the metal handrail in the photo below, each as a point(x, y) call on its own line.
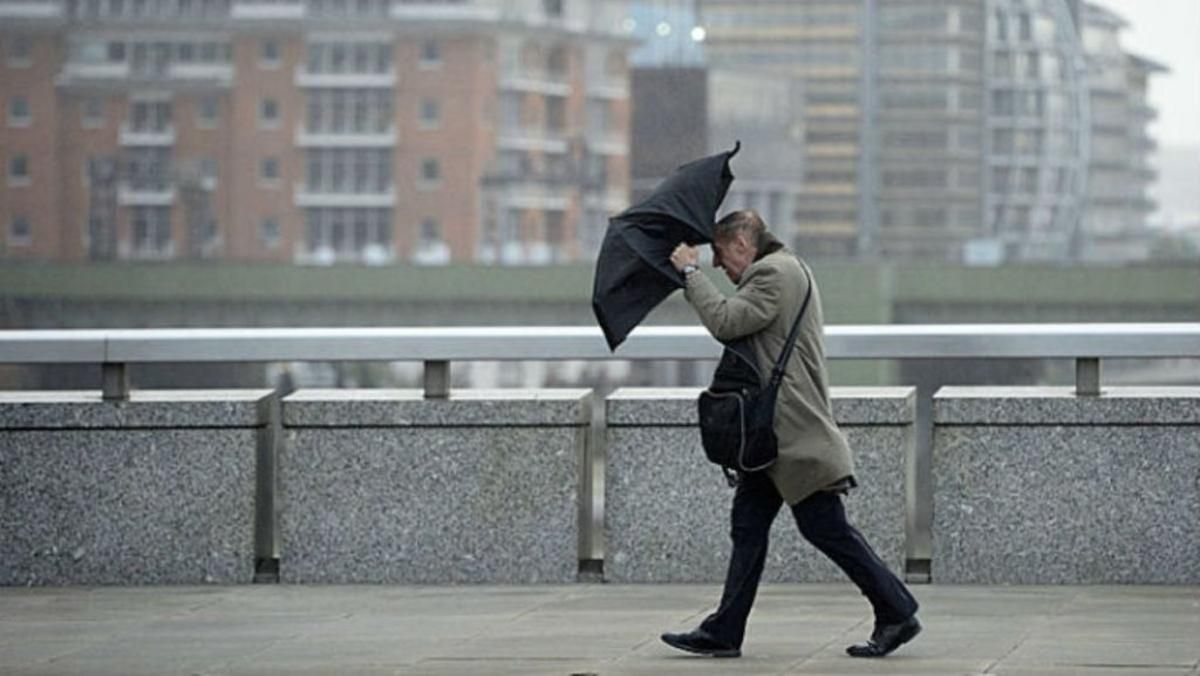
point(556, 343)
point(438, 346)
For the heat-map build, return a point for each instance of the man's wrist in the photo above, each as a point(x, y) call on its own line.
point(689, 269)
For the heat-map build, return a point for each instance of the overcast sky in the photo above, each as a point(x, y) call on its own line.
point(1167, 31)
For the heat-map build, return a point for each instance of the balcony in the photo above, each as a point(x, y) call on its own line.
point(532, 138)
point(214, 73)
point(373, 254)
point(73, 73)
point(534, 195)
point(147, 137)
point(534, 82)
point(611, 200)
point(129, 196)
point(304, 197)
point(408, 10)
point(605, 87)
point(304, 78)
point(608, 143)
point(31, 9)
point(325, 139)
point(250, 10)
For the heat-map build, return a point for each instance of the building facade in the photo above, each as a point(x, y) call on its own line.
point(954, 130)
point(1119, 172)
point(312, 131)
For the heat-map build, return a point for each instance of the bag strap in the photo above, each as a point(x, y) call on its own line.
point(777, 372)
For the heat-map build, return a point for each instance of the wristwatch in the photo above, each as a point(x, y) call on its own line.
point(689, 269)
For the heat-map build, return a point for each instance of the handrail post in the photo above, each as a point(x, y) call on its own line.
point(437, 379)
point(1087, 377)
point(114, 381)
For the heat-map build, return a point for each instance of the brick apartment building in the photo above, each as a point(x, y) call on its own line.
point(312, 131)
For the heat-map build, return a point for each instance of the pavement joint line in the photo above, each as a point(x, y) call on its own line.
point(1036, 625)
point(840, 637)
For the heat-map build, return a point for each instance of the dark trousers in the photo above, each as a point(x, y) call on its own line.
point(822, 521)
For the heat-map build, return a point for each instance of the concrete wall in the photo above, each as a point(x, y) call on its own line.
point(156, 490)
point(384, 486)
point(667, 508)
point(1040, 486)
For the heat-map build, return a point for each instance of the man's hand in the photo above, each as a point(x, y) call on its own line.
point(685, 255)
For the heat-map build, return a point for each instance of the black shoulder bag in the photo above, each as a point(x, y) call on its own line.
point(737, 412)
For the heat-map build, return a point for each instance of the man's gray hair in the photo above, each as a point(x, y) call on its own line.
point(745, 220)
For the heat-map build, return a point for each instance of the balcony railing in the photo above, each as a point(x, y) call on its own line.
point(147, 137)
point(306, 78)
point(306, 197)
point(308, 138)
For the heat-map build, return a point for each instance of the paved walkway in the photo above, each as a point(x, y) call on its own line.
point(584, 629)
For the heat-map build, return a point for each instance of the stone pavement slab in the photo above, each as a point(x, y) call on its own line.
point(584, 629)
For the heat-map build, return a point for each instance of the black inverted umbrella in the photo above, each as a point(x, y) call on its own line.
point(634, 271)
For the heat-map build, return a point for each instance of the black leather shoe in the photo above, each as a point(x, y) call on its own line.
point(700, 642)
point(886, 638)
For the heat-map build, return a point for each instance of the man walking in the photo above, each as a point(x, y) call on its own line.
point(814, 468)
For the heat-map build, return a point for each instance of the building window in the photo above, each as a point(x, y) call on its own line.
point(431, 233)
point(348, 234)
point(431, 172)
point(268, 54)
point(20, 52)
point(268, 171)
point(93, 112)
point(19, 231)
point(18, 170)
point(18, 112)
point(346, 111)
point(152, 231)
point(268, 232)
point(431, 114)
point(207, 111)
point(151, 116)
point(348, 170)
point(268, 114)
point(346, 57)
point(431, 54)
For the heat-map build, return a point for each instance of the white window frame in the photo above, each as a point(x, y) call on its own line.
point(425, 183)
point(15, 181)
point(18, 61)
point(87, 121)
point(427, 123)
point(265, 62)
point(13, 238)
point(273, 242)
point(270, 181)
point(263, 121)
point(425, 63)
point(202, 120)
point(13, 119)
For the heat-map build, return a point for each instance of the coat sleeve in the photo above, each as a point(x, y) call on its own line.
point(750, 310)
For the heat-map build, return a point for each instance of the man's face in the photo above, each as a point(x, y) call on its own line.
point(733, 254)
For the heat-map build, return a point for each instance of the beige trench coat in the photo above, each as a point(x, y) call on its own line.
point(813, 453)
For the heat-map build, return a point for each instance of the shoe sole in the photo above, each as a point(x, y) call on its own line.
point(726, 652)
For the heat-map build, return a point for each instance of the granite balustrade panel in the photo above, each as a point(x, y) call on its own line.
point(1040, 486)
point(385, 486)
point(667, 507)
point(159, 489)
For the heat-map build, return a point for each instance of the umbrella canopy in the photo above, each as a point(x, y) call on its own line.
point(634, 271)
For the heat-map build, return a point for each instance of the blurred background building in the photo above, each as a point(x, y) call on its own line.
point(507, 131)
point(313, 131)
